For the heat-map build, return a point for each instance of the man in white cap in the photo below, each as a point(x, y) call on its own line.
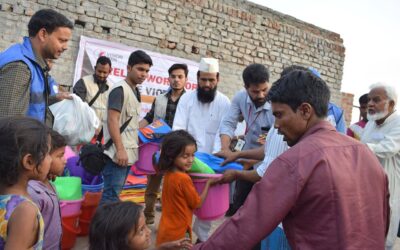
point(200, 113)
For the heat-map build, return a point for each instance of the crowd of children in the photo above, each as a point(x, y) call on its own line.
point(31, 155)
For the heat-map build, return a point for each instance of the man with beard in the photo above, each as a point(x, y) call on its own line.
point(382, 136)
point(123, 108)
point(252, 104)
point(93, 89)
point(164, 107)
point(200, 113)
point(25, 88)
point(328, 189)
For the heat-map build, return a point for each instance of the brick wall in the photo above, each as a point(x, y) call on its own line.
point(235, 31)
point(347, 106)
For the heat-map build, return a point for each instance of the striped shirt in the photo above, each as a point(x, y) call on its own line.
point(274, 146)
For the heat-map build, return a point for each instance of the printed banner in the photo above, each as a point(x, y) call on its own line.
point(157, 81)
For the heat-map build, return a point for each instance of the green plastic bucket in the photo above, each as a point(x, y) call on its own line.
point(68, 188)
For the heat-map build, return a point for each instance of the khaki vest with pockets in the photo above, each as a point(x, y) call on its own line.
point(100, 105)
point(130, 108)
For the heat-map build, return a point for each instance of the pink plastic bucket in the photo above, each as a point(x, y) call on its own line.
point(69, 208)
point(145, 162)
point(69, 153)
point(217, 201)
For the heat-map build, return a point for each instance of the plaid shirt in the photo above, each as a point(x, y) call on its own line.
point(14, 89)
point(15, 83)
point(170, 111)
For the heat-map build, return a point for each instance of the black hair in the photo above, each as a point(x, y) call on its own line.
point(20, 136)
point(363, 99)
point(291, 68)
point(49, 20)
point(172, 146)
point(179, 66)
point(299, 87)
point(139, 56)
point(57, 140)
point(103, 60)
point(111, 225)
point(255, 74)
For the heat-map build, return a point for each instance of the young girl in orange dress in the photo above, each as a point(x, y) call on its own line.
point(179, 196)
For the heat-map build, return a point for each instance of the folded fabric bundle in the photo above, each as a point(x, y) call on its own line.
point(132, 179)
point(134, 186)
point(214, 162)
point(154, 131)
point(205, 163)
point(134, 195)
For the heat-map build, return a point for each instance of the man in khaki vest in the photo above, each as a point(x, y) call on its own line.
point(88, 86)
point(164, 107)
point(123, 106)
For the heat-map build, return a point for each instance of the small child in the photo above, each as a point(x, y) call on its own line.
point(24, 156)
point(179, 196)
point(44, 194)
point(121, 225)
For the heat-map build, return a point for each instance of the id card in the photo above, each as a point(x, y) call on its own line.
point(239, 145)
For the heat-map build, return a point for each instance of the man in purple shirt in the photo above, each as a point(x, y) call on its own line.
point(328, 189)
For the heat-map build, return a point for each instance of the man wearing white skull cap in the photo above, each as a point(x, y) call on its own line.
point(200, 113)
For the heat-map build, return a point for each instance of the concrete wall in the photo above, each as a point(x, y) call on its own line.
point(235, 31)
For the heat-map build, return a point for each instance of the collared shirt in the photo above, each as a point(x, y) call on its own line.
point(169, 112)
point(256, 118)
point(384, 142)
point(274, 147)
point(328, 190)
point(201, 120)
point(47, 201)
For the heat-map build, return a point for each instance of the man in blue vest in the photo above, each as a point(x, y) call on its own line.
point(24, 85)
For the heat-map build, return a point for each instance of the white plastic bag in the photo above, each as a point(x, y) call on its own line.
point(74, 120)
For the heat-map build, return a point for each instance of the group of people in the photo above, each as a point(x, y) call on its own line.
point(301, 172)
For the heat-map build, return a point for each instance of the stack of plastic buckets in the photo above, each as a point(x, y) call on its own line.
point(92, 195)
point(92, 187)
point(69, 191)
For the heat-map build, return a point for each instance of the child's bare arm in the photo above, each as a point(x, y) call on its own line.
point(178, 244)
point(23, 227)
point(203, 194)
